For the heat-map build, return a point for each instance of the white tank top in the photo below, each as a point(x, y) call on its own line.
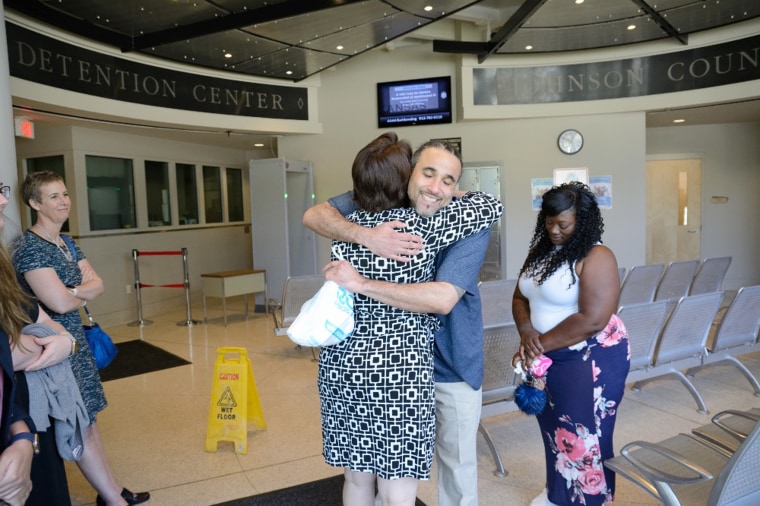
point(554, 300)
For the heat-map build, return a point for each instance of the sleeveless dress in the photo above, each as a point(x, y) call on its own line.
point(377, 388)
point(32, 252)
point(584, 387)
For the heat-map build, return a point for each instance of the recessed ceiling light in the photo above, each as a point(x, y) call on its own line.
point(428, 8)
point(679, 120)
point(339, 48)
point(258, 145)
point(228, 55)
point(631, 27)
point(578, 2)
point(528, 47)
point(288, 72)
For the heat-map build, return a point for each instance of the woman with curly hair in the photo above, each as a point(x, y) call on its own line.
point(564, 307)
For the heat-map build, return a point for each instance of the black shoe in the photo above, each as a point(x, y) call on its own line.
point(130, 497)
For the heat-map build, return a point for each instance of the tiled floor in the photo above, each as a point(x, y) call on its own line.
point(154, 429)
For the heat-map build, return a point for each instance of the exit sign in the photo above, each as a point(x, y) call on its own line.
point(24, 128)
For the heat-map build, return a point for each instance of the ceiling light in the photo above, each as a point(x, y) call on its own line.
point(428, 8)
point(578, 2)
point(631, 27)
point(228, 55)
point(258, 145)
point(339, 48)
point(528, 47)
point(679, 120)
point(288, 72)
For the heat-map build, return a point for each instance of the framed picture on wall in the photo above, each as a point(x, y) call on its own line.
point(602, 188)
point(566, 175)
point(538, 187)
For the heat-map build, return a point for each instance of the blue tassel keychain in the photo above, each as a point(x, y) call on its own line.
point(530, 395)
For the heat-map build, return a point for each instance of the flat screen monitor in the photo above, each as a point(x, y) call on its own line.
point(414, 102)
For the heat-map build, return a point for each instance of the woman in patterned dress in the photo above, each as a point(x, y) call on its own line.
point(377, 387)
point(63, 280)
point(564, 307)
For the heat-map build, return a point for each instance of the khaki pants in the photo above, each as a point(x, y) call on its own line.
point(457, 416)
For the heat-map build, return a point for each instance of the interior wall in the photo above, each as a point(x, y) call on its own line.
point(730, 156)
point(614, 145)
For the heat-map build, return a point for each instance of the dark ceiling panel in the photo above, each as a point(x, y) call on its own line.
point(364, 37)
point(697, 16)
point(210, 50)
point(432, 9)
point(316, 25)
point(572, 38)
point(136, 18)
point(590, 12)
point(293, 39)
point(300, 63)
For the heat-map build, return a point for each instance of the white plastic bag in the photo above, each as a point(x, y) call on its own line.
point(326, 319)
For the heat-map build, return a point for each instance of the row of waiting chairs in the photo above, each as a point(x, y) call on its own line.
point(651, 282)
point(717, 464)
point(667, 339)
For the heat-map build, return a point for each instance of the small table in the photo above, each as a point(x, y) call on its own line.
point(230, 283)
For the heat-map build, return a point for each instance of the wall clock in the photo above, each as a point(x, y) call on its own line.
point(570, 141)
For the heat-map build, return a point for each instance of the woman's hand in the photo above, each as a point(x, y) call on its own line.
point(15, 468)
point(55, 349)
point(530, 345)
point(343, 273)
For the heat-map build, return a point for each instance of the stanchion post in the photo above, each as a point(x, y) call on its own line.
point(186, 272)
point(139, 322)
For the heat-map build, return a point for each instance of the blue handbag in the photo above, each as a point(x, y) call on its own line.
point(100, 343)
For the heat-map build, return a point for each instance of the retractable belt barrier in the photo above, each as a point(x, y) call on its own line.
point(140, 285)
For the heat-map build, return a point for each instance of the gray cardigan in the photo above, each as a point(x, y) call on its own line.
point(54, 394)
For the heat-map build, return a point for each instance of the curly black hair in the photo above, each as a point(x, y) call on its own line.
point(544, 259)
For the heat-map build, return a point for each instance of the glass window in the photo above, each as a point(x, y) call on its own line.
point(187, 194)
point(212, 194)
point(157, 189)
point(110, 191)
point(51, 163)
point(235, 195)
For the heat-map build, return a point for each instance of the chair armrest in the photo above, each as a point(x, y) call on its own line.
point(717, 420)
point(660, 475)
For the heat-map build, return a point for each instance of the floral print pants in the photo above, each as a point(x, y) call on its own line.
point(584, 388)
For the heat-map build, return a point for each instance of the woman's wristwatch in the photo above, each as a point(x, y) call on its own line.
point(32, 438)
point(74, 343)
point(73, 290)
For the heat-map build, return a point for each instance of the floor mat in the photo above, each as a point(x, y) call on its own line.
point(326, 492)
point(138, 357)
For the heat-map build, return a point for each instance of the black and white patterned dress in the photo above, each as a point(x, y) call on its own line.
point(377, 387)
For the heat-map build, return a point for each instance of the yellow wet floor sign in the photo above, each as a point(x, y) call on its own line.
point(234, 400)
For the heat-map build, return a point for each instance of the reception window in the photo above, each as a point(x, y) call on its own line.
point(187, 194)
point(110, 192)
point(212, 194)
point(157, 193)
point(235, 210)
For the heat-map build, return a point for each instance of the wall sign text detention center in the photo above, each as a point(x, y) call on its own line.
point(41, 59)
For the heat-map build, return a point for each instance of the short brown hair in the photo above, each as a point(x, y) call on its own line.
point(381, 173)
point(34, 181)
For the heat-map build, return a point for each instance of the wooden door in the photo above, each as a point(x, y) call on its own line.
point(674, 210)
